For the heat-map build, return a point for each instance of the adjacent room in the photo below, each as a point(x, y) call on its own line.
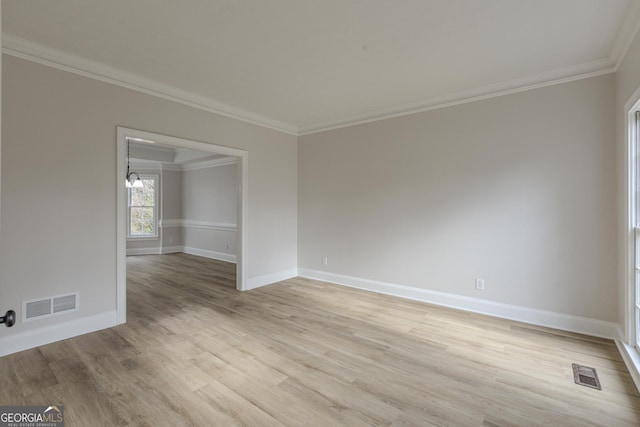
point(186, 202)
point(336, 212)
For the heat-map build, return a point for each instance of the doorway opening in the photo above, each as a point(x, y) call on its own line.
point(126, 135)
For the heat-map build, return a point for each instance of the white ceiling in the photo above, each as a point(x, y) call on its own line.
point(306, 65)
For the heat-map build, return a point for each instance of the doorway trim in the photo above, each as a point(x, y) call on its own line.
point(123, 134)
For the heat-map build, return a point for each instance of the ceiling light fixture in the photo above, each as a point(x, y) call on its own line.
point(133, 178)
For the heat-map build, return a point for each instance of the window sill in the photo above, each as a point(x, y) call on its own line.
point(631, 359)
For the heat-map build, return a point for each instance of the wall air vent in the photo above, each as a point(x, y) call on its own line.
point(64, 303)
point(46, 307)
point(37, 308)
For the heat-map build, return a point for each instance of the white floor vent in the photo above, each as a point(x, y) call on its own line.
point(51, 306)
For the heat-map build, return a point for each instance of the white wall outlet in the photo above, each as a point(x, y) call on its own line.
point(170, 239)
point(480, 284)
point(325, 260)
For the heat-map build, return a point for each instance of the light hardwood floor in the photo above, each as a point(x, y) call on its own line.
point(302, 352)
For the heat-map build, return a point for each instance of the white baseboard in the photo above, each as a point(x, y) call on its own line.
point(631, 359)
point(144, 251)
point(170, 250)
point(268, 279)
point(221, 256)
point(565, 322)
point(60, 331)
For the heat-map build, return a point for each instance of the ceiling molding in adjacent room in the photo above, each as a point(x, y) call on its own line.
point(148, 165)
point(223, 161)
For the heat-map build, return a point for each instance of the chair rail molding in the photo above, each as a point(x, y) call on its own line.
point(188, 223)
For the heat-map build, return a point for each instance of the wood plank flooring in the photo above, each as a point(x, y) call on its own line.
point(306, 353)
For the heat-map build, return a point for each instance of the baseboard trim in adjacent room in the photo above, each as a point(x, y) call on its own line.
point(57, 332)
point(565, 322)
point(220, 256)
point(144, 251)
point(170, 250)
point(268, 279)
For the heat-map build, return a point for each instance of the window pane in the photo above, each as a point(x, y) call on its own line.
point(137, 214)
point(637, 189)
point(136, 228)
point(637, 249)
point(147, 213)
point(136, 197)
point(637, 287)
point(637, 329)
point(142, 202)
point(147, 199)
point(147, 227)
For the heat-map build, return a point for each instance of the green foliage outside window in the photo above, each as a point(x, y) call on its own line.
point(142, 209)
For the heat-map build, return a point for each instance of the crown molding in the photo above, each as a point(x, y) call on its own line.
point(152, 146)
point(152, 165)
point(145, 165)
point(36, 52)
point(210, 163)
point(626, 34)
point(562, 75)
point(174, 167)
point(31, 51)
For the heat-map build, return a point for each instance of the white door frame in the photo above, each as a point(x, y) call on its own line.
point(121, 208)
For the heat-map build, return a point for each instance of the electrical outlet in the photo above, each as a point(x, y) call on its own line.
point(480, 284)
point(325, 260)
point(227, 247)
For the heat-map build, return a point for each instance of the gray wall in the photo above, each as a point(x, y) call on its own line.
point(518, 190)
point(59, 185)
point(171, 194)
point(171, 207)
point(209, 196)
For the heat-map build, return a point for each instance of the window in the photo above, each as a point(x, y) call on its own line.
point(142, 212)
point(636, 195)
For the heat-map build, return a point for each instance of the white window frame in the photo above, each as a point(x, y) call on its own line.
point(629, 337)
point(154, 236)
point(632, 317)
point(634, 214)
